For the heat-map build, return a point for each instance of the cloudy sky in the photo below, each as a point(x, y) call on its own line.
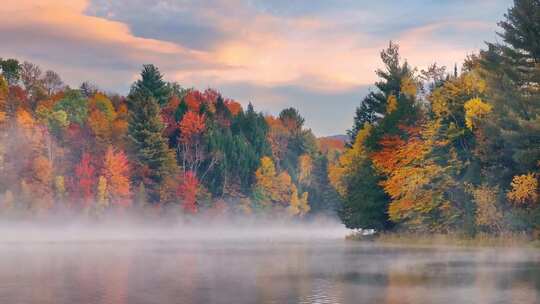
point(316, 55)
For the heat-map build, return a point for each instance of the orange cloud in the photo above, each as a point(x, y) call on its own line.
point(262, 49)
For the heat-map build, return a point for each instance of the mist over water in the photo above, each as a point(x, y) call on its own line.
point(194, 229)
point(235, 261)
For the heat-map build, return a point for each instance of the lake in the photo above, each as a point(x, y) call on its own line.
point(264, 270)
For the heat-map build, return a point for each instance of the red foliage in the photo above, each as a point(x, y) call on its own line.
point(193, 100)
point(187, 191)
point(18, 93)
point(167, 114)
point(85, 175)
point(192, 124)
point(233, 106)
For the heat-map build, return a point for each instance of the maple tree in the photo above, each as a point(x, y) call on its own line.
point(85, 179)
point(116, 173)
point(187, 191)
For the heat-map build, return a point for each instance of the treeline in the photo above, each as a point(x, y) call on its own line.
point(433, 151)
point(163, 149)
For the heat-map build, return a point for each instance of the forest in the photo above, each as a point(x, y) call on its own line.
point(161, 150)
point(431, 150)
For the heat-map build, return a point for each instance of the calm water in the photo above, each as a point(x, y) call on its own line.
point(329, 271)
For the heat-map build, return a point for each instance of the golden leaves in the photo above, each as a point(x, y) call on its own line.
point(305, 165)
point(524, 189)
point(347, 161)
point(475, 109)
point(391, 104)
point(409, 87)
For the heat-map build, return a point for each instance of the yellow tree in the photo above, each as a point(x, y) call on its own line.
point(475, 109)
point(100, 119)
point(3, 97)
point(305, 166)
point(116, 173)
point(524, 189)
point(415, 182)
point(278, 137)
point(41, 184)
point(102, 195)
point(277, 189)
point(346, 162)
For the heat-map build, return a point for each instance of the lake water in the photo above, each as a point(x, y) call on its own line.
point(261, 271)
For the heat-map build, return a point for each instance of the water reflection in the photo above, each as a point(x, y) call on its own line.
point(258, 272)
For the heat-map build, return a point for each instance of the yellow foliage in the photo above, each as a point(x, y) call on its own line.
point(449, 98)
point(408, 87)
point(275, 187)
point(305, 165)
point(391, 104)
point(265, 173)
point(42, 168)
point(524, 189)
point(4, 88)
point(101, 126)
point(25, 119)
point(103, 104)
point(410, 174)
point(348, 160)
point(3, 97)
point(59, 186)
point(304, 205)
point(102, 192)
point(472, 83)
point(474, 109)
point(282, 187)
point(298, 204)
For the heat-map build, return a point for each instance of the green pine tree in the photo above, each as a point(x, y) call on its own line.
point(152, 84)
point(152, 158)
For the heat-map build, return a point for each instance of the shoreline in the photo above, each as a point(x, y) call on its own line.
point(505, 240)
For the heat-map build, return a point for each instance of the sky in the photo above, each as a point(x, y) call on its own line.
point(316, 55)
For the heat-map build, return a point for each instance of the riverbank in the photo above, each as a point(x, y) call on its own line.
point(419, 239)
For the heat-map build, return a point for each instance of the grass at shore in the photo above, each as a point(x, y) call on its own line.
point(480, 240)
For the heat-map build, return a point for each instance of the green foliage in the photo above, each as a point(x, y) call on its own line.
point(468, 159)
point(74, 105)
point(11, 70)
point(365, 205)
point(152, 85)
point(151, 156)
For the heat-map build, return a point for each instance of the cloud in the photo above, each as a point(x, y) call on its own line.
point(58, 33)
point(304, 53)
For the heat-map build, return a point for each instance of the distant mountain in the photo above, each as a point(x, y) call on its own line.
point(341, 137)
point(334, 143)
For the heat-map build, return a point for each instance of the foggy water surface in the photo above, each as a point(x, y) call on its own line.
point(261, 269)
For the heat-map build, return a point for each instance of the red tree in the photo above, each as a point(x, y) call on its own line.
point(192, 125)
point(187, 191)
point(85, 179)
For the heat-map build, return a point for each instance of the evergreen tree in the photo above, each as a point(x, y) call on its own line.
point(512, 71)
point(152, 84)
point(374, 106)
point(11, 70)
point(365, 205)
point(150, 153)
